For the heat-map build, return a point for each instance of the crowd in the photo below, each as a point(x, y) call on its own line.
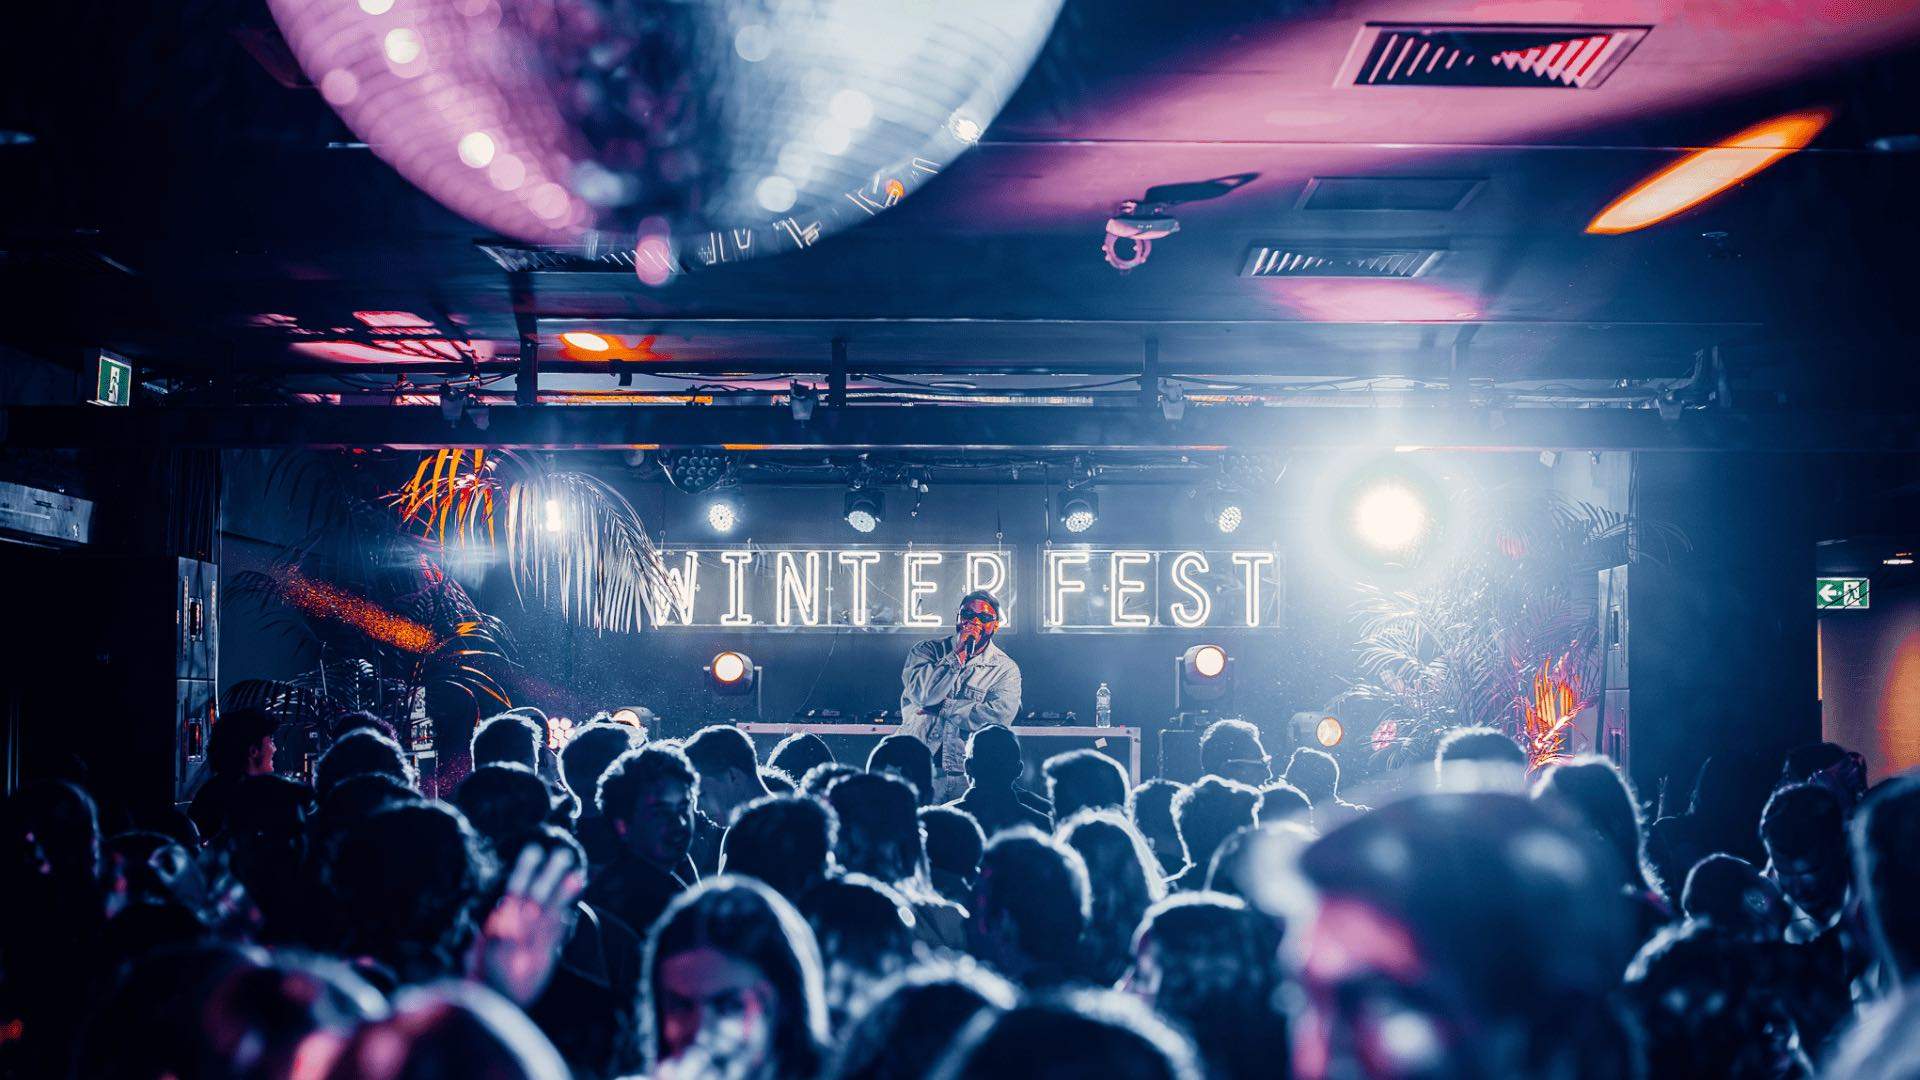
point(679, 910)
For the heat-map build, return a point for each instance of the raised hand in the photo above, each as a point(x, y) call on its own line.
point(519, 944)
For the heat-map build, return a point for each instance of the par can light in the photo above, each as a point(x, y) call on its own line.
point(731, 673)
point(1329, 731)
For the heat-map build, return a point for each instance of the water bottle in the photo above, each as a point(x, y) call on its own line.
point(1103, 707)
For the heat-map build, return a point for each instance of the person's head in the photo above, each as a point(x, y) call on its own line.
point(266, 840)
point(1153, 816)
point(777, 782)
point(1593, 790)
point(1210, 962)
point(504, 801)
point(1245, 854)
point(733, 984)
point(1737, 899)
point(1209, 812)
point(1315, 773)
point(1809, 758)
point(879, 827)
point(866, 933)
point(507, 739)
point(357, 753)
point(908, 758)
point(823, 776)
point(648, 796)
point(1479, 759)
point(52, 831)
point(1457, 934)
point(1123, 878)
point(1805, 833)
point(405, 881)
point(1231, 750)
point(1281, 801)
point(1084, 780)
point(219, 1009)
point(242, 743)
point(1030, 905)
point(954, 844)
point(1886, 834)
point(729, 771)
point(911, 1015)
point(360, 718)
point(1705, 1006)
point(1081, 1033)
point(979, 615)
point(450, 1029)
point(993, 756)
point(798, 753)
point(785, 841)
point(588, 754)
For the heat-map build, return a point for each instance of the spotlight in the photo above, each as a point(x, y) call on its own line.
point(695, 471)
point(721, 516)
point(1224, 511)
point(1390, 517)
point(1078, 510)
point(864, 508)
point(1329, 731)
point(1204, 676)
point(731, 674)
point(629, 716)
point(556, 520)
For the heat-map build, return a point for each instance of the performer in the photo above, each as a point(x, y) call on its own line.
point(953, 686)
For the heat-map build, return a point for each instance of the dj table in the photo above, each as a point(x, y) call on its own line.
point(1038, 742)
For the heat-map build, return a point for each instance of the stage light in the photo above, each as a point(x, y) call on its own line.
point(1224, 511)
point(721, 516)
point(556, 520)
point(1898, 558)
point(1078, 510)
point(731, 673)
point(585, 342)
point(864, 509)
point(1329, 731)
point(1703, 174)
point(1204, 676)
point(1390, 516)
point(627, 716)
point(1208, 661)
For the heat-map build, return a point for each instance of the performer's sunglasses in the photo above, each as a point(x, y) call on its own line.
point(979, 615)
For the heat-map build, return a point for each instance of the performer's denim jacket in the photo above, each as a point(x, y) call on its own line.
point(942, 701)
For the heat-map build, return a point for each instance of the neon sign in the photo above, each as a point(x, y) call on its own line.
point(914, 589)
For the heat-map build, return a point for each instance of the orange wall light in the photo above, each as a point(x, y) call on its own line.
point(1703, 174)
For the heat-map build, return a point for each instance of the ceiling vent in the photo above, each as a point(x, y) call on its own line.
point(1555, 57)
point(1434, 194)
point(1278, 260)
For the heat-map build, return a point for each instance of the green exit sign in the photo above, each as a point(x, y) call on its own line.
point(1841, 592)
point(113, 381)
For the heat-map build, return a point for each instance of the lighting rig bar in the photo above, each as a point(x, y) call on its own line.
point(935, 427)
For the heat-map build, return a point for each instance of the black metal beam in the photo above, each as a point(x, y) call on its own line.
point(1240, 429)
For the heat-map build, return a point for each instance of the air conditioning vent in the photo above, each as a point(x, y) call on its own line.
point(1553, 57)
point(1279, 260)
point(1434, 194)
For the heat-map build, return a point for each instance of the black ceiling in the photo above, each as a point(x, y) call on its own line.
point(177, 191)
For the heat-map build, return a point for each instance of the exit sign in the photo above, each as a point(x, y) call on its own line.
point(113, 381)
point(1841, 592)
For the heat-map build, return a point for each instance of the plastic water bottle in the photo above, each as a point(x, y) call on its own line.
point(1103, 707)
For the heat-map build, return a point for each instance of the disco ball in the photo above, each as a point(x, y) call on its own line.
point(692, 132)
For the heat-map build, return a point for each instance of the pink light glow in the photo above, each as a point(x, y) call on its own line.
point(1337, 300)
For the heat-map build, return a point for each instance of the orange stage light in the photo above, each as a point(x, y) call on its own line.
point(585, 342)
point(1705, 173)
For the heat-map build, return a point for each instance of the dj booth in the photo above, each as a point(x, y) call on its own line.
point(851, 743)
